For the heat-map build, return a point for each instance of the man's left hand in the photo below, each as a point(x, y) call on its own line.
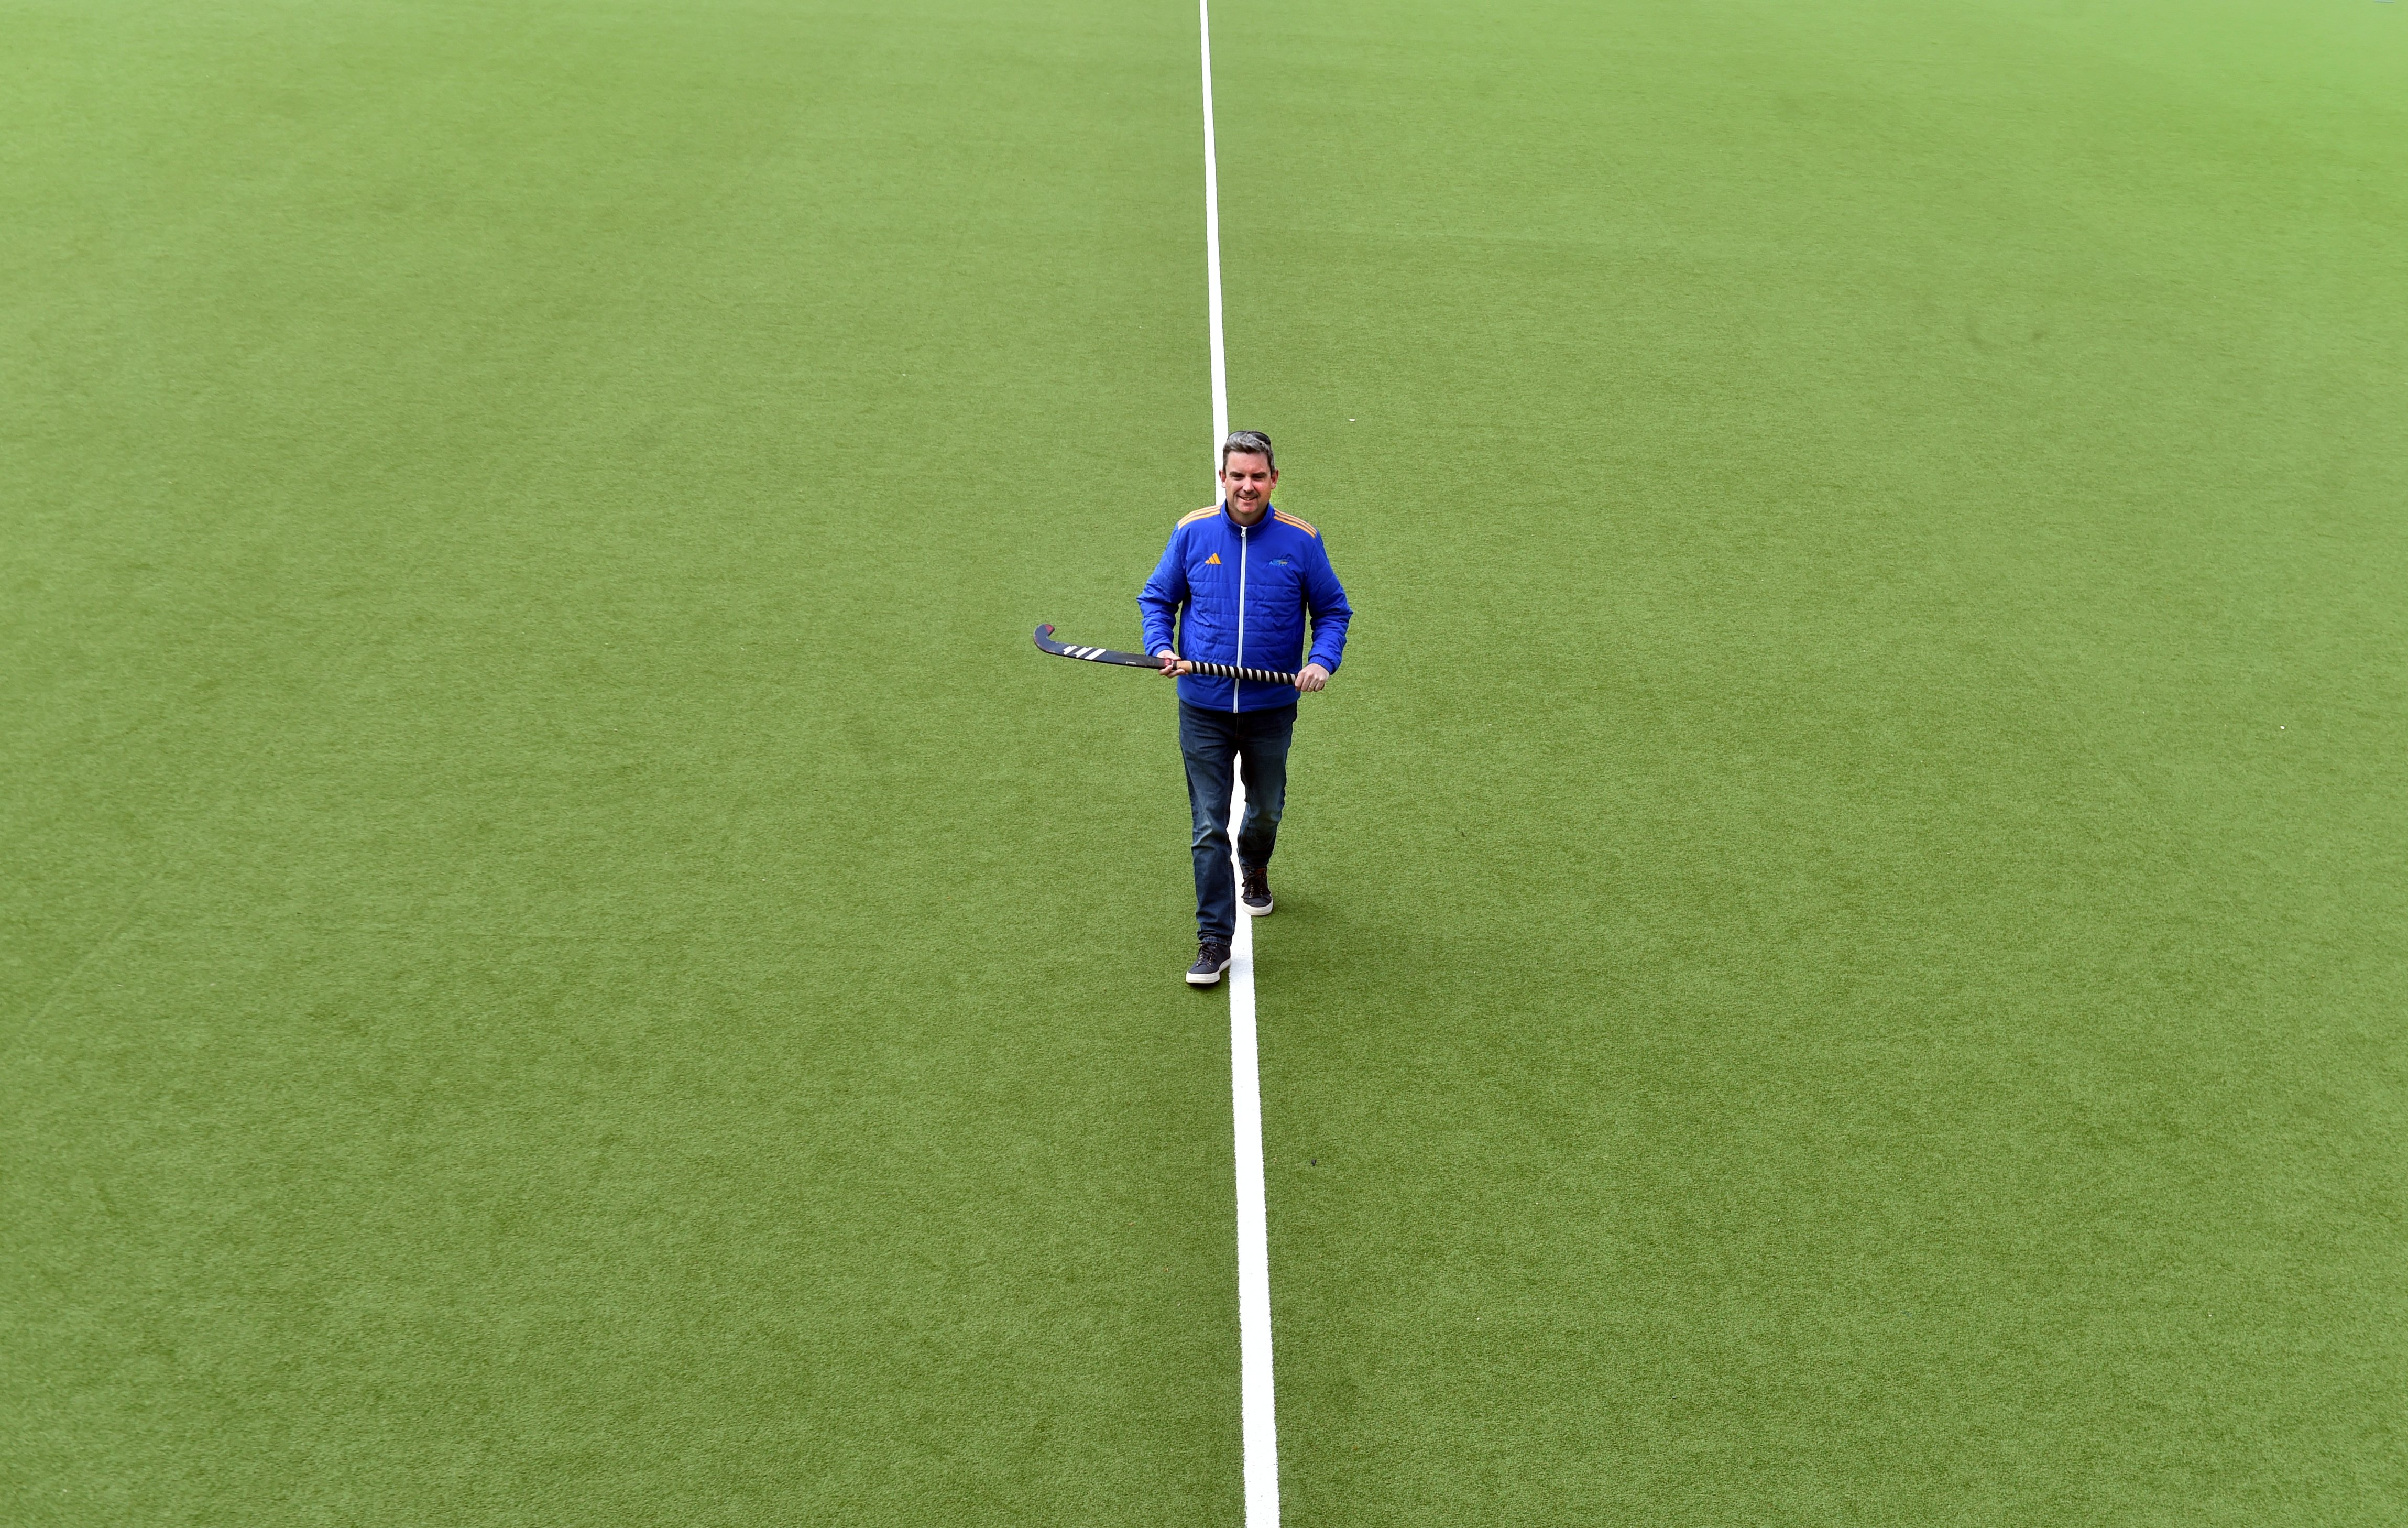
point(1312, 678)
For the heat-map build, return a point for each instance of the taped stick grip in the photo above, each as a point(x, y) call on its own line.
point(1228, 670)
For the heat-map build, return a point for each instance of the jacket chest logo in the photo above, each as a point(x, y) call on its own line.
point(1213, 561)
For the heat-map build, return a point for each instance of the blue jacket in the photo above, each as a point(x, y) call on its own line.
point(1246, 591)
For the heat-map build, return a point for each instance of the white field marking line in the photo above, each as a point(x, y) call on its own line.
point(1257, 1425)
point(1212, 255)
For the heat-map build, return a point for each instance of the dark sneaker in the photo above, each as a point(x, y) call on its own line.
point(1256, 894)
point(1212, 959)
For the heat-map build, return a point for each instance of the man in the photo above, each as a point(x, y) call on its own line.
point(1246, 576)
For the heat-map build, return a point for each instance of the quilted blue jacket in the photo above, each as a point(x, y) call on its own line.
point(1246, 591)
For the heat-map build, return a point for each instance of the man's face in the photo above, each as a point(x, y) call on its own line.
point(1247, 480)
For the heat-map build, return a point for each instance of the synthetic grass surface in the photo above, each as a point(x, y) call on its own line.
point(1841, 950)
point(560, 964)
point(1839, 943)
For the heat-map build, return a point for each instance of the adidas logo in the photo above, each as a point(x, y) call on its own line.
point(1213, 560)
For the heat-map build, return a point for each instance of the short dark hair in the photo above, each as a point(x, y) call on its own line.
point(1248, 444)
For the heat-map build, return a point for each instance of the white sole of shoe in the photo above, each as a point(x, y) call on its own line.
point(1252, 909)
point(1214, 980)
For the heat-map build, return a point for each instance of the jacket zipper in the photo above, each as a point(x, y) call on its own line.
point(1234, 684)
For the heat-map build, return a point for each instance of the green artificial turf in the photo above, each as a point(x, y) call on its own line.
point(1839, 954)
point(1842, 953)
point(566, 962)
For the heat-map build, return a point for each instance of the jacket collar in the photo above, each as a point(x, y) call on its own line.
point(1270, 512)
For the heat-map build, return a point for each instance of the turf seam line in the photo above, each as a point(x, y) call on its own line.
point(1257, 1425)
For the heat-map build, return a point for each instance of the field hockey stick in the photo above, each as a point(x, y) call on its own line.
point(1046, 643)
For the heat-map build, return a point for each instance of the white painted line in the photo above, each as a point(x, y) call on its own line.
point(1212, 255)
point(1255, 1419)
point(1256, 1423)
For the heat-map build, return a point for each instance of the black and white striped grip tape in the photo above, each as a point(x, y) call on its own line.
point(1224, 670)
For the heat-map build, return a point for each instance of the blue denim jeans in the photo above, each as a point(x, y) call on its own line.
point(1211, 741)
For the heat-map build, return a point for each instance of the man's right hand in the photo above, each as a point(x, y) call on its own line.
point(1173, 665)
